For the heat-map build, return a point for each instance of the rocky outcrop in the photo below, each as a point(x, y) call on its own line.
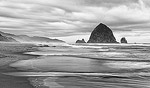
point(43, 45)
point(6, 39)
point(102, 34)
point(80, 41)
point(123, 40)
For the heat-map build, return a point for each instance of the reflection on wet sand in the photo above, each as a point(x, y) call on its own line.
point(88, 66)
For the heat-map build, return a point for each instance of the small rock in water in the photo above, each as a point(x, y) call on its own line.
point(123, 40)
point(80, 41)
point(43, 45)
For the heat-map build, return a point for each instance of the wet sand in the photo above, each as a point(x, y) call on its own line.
point(58, 71)
point(10, 53)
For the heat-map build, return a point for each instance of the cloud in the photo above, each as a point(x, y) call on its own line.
point(73, 17)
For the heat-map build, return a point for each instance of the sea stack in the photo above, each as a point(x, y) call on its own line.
point(123, 40)
point(102, 34)
point(80, 41)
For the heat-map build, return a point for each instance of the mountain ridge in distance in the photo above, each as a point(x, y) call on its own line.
point(26, 38)
point(6, 39)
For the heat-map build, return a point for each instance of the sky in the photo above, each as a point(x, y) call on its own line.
point(70, 20)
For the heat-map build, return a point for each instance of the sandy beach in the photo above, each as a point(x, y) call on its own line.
point(9, 53)
point(40, 70)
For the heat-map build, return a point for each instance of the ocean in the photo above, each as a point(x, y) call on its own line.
point(87, 66)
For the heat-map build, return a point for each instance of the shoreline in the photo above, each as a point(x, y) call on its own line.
point(28, 73)
point(11, 53)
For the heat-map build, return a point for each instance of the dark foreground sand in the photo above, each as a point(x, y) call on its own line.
point(9, 53)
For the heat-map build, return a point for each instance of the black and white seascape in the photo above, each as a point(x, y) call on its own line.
point(74, 43)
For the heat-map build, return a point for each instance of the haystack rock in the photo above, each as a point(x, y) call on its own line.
point(102, 34)
point(123, 40)
point(80, 41)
